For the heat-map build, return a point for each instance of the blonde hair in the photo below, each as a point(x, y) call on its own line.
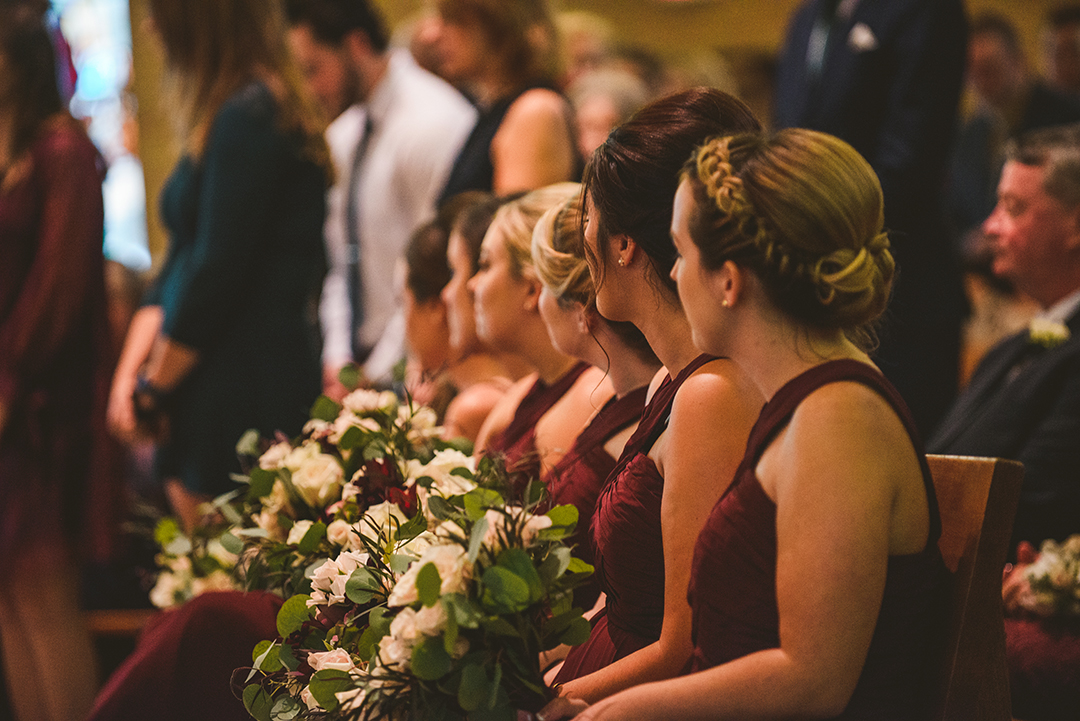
point(558, 254)
point(213, 48)
point(516, 219)
point(803, 211)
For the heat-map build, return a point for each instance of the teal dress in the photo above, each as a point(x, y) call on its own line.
point(241, 286)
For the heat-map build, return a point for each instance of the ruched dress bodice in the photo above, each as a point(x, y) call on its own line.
point(517, 442)
point(578, 478)
point(732, 590)
point(629, 544)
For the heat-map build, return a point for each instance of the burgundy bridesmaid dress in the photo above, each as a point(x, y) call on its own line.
point(733, 582)
point(629, 545)
point(579, 476)
point(517, 442)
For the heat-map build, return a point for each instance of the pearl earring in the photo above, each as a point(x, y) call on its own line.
point(622, 262)
point(725, 303)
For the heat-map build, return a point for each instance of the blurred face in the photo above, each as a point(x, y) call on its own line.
point(595, 119)
point(426, 332)
point(993, 71)
point(1063, 57)
point(1030, 232)
point(702, 308)
point(461, 49)
point(564, 324)
point(500, 298)
point(459, 299)
point(330, 77)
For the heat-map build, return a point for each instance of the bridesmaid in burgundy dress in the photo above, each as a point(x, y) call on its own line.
point(699, 412)
point(817, 588)
point(538, 419)
point(568, 306)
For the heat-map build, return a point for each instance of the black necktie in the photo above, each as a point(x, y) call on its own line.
point(354, 277)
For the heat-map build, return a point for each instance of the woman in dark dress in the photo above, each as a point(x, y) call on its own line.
point(698, 414)
point(537, 420)
point(228, 339)
point(54, 370)
point(503, 54)
point(568, 307)
point(817, 586)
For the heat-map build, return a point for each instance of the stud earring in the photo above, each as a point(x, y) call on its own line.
point(622, 262)
point(725, 303)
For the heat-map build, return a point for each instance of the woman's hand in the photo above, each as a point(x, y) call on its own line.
point(561, 707)
point(1014, 583)
point(121, 410)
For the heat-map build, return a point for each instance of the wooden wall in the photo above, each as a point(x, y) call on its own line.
point(669, 29)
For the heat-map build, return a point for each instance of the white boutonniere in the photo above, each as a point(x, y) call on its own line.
point(1047, 333)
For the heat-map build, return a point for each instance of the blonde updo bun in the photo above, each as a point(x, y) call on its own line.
point(558, 254)
point(803, 211)
point(516, 219)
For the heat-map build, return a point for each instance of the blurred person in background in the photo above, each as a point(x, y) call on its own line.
point(1061, 48)
point(228, 337)
point(54, 365)
point(603, 99)
point(504, 55)
point(395, 133)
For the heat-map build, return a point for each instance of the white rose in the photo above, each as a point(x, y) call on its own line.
point(298, 531)
point(309, 700)
point(348, 419)
point(275, 456)
point(318, 480)
point(533, 526)
point(340, 533)
point(377, 518)
point(394, 653)
point(216, 581)
point(328, 581)
point(439, 470)
point(171, 589)
point(298, 455)
point(403, 627)
point(278, 500)
point(338, 660)
point(431, 620)
point(365, 401)
point(454, 570)
point(417, 546)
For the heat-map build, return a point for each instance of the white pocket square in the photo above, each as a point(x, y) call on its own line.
point(861, 39)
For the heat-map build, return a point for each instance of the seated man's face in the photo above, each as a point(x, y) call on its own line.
point(1030, 231)
point(326, 70)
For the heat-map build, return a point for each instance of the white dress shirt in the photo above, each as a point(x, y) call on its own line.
point(419, 123)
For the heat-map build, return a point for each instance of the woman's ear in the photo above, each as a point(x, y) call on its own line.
point(533, 288)
point(728, 283)
point(625, 249)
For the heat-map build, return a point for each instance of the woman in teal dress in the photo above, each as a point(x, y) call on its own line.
point(228, 337)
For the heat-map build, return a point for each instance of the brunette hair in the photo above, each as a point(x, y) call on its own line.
point(804, 212)
point(634, 174)
point(521, 34)
point(214, 48)
point(1057, 151)
point(331, 20)
point(31, 62)
point(473, 221)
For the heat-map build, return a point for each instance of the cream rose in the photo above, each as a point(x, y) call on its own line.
point(454, 570)
point(340, 533)
point(275, 456)
point(318, 480)
point(338, 660)
point(298, 531)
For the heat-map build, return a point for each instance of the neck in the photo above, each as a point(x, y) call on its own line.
point(772, 350)
point(475, 368)
point(549, 363)
point(669, 335)
point(371, 72)
point(626, 370)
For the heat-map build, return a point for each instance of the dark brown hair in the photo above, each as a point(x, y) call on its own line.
point(633, 176)
point(28, 50)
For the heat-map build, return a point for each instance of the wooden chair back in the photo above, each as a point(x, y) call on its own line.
point(977, 498)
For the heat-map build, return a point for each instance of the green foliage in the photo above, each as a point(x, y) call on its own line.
point(327, 683)
point(325, 409)
point(294, 613)
point(258, 702)
point(430, 661)
point(362, 586)
point(428, 585)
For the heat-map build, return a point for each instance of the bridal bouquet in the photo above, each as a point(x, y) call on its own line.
point(190, 565)
point(443, 616)
point(1054, 580)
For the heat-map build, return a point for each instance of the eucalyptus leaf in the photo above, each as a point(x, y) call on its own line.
point(428, 584)
point(362, 586)
point(261, 483)
point(565, 515)
point(265, 657)
point(312, 538)
point(325, 409)
point(430, 661)
point(351, 438)
point(441, 508)
point(476, 538)
point(292, 615)
point(326, 684)
point(576, 633)
point(399, 562)
point(504, 591)
point(231, 543)
point(500, 627)
point(462, 609)
point(286, 708)
point(474, 689)
point(349, 375)
point(258, 702)
point(554, 565)
point(521, 565)
point(288, 657)
point(479, 500)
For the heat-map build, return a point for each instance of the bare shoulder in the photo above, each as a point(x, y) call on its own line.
point(466, 413)
point(503, 411)
point(717, 384)
point(537, 105)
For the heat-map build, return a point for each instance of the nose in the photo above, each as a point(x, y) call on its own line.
point(991, 227)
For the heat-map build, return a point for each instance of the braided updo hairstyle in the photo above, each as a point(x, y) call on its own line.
point(804, 212)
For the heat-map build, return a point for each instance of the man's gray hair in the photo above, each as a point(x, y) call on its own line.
point(1057, 151)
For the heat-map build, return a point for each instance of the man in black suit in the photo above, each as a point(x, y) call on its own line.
point(886, 75)
point(1023, 401)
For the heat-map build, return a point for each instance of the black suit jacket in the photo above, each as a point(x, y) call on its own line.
point(890, 85)
point(1034, 419)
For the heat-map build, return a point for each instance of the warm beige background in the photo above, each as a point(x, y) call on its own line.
point(669, 29)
